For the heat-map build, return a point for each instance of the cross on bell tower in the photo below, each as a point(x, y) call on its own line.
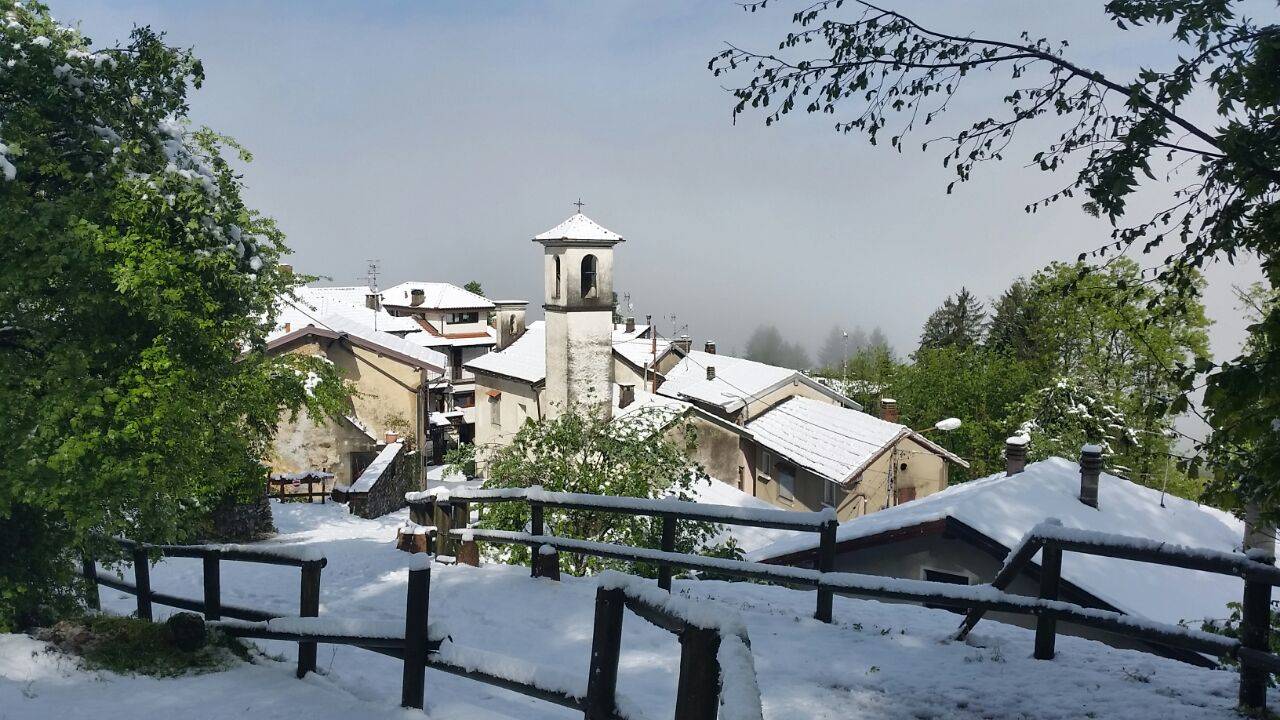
point(579, 205)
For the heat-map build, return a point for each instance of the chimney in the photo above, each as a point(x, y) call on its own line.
point(711, 372)
point(288, 327)
point(1090, 471)
point(286, 268)
point(626, 395)
point(709, 347)
point(1015, 454)
point(392, 436)
point(509, 317)
point(373, 301)
point(631, 324)
point(417, 296)
point(684, 344)
point(889, 410)
point(653, 354)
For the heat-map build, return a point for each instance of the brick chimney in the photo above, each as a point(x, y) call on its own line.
point(631, 324)
point(417, 296)
point(626, 395)
point(1090, 472)
point(392, 436)
point(684, 344)
point(1015, 454)
point(711, 372)
point(709, 347)
point(889, 410)
point(372, 300)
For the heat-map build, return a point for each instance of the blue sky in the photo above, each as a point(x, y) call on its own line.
point(440, 137)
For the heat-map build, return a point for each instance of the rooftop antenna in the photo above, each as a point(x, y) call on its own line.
point(579, 204)
point(626, 301)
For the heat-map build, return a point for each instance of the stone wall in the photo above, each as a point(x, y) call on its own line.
point(387, 493)
point(241, 522)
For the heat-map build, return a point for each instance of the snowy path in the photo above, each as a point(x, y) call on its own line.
point(879, 661)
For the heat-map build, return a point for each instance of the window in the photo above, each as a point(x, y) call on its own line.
point(463, 317)
point(589, 276)
point(946, 577)
point(785, 474)
point(495, 410)
point(555, 292)
point(832, 494)
point(464, 400)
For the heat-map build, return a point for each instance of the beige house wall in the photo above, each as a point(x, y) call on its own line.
point(301, 443)
point(795, 388)
point(499, 418)
point(720, 452)
point(925, 471)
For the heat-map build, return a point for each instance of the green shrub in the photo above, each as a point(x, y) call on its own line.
point(130, 646)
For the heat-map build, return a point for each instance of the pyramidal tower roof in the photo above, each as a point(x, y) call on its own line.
point(579, 229)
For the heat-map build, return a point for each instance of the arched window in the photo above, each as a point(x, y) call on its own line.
point(556, 292)
point(589, 276)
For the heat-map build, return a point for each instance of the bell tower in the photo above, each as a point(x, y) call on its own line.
point(578, 300)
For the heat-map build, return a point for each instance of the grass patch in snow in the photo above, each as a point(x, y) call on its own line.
point(130, 646)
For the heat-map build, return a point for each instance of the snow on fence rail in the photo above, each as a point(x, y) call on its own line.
point(1251, 649)
point(448, 509)
point(1050, 540)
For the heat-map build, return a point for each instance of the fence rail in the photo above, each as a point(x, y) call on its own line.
point(1251, 650)
point(449, 511)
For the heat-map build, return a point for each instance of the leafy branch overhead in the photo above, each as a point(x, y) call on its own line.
point(880, 72)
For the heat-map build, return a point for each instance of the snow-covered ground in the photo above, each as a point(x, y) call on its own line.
point(878, 661)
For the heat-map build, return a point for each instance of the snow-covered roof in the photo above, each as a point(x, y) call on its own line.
point(579, 227)
point(337, 321)
point(620, 332)
point(351, 299)
point(738, 381)
point(835, 442)
point(716, 492)
point(430, 339)
point(1006, 508)
point(639, 350)
point(435, 296)
point(525, 359)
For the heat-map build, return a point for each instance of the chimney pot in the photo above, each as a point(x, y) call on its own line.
point(1015, 454)
point(373, 301)
point(1090, 472)
point(709, 347)
point(417, 296)
point(631, 324)
point(286, 268)
point(711, 372)
point(889, 410)
point(626, 395)
point(392, 436)
point(683, 343)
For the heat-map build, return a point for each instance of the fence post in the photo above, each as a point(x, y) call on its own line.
point(698, 692)
point(535, 528)
point(212, 585)
point(1046, 622)
point(422, 513)
point(668, 545)
point(417, 605)
point(444, 523)
point(142, 581)
point(1255, 610)
point(826, 563)
point(309, 606)
point(606, 644)
point(90, 571)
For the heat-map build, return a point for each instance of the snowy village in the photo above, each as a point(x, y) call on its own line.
point(743, 360)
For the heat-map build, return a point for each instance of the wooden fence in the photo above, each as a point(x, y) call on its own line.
point(1251, 650)
point(276, 489)
point(420, 646)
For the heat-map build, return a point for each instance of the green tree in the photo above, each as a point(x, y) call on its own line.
point(474, 287)
point(646, 456)
point(959, 322)
point(977, 385)
point(1115, 133)
point(136, 291)
point(1015, 319)
point(1120, 338)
